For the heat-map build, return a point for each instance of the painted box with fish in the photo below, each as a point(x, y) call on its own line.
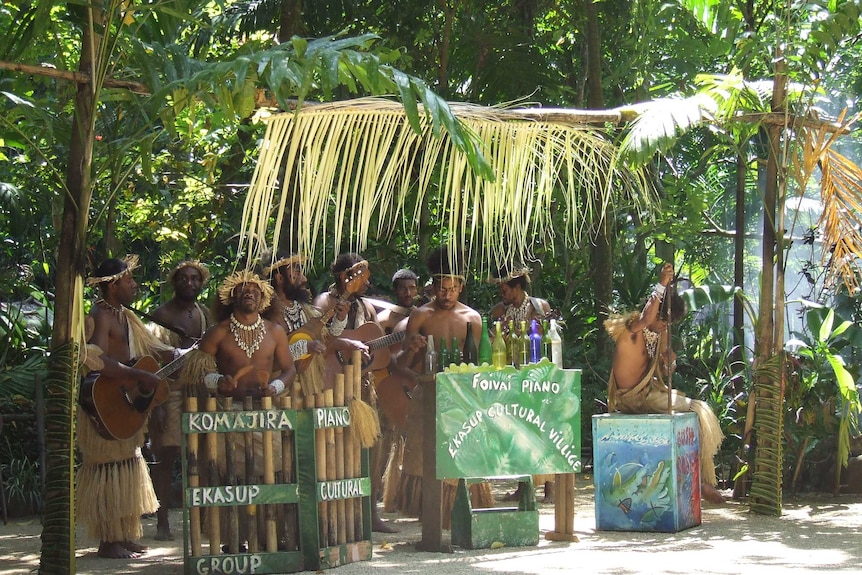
point(646, 472)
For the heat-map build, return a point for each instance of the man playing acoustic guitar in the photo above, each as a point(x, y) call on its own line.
point(113, 483)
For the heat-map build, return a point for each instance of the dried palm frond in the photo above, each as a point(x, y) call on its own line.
point(362, 160)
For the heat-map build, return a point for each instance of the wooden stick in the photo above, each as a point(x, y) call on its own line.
point(320, 461)
point(213, 518)
point(250, 479)
point(349, 457)
point(341, 504)
point(269, 479)
point(192, 454)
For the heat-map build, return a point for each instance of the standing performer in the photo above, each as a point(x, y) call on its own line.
point(405, 286)
point(182, 321)
point(518, 306)
point(352, 311)
point(643, 360)
point(443, 318)
point(113, 484)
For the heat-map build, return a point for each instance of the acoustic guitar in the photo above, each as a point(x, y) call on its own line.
point(371, 334)
point(355, 278)
point(117, 407)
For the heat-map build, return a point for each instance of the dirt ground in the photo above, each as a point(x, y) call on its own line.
point(814, 534)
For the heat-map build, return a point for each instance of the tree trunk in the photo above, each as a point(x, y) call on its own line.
point(58, 533)
point(601, 250)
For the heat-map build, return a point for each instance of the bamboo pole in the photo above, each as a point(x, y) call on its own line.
point(250, 511)
point(289, 523)
point(332, 517)
point(320, 461)
point(192, 455)
point(269, 479)
point(231, 479)
point(213, 517)
point(341, 504)
point(349, 457)
point(357, 451)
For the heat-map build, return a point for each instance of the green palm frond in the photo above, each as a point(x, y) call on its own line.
point(661, 122)
point(766, 486)
point(363, 159)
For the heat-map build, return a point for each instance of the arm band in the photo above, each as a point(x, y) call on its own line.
point(659, 290)
point(277, 385)
point(299, 348)
point(211, 380)
point(336, 326)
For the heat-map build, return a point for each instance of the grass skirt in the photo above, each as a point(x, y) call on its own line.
point(113, 485)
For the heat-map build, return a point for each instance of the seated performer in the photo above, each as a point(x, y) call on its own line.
point(641, 363)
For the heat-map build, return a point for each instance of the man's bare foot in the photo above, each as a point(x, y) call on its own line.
point(380, 526)
point(711, 494)
point(134, 547)
point(164, 534)
point(116, 550)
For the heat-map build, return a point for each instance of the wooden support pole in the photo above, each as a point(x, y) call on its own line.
point(192, 455)
point(250, 511)
point(231, 475)
point(269, 479)
point(349, 457)
point(288, 463)
point(332, 517)
point(357, 449)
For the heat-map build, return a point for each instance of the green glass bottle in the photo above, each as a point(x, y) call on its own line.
point(485, 351)
point(455, 351)
point(443, 355)
point(498, 348)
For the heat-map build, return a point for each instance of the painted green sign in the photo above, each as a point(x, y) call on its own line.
point(223, 421)
point(493, 423)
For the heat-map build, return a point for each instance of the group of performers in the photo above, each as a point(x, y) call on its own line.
point(266, 336)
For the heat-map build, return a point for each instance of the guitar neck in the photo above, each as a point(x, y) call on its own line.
point(386, 340)
point(174, 366)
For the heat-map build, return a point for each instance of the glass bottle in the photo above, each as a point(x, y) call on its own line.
point(524, 347)
point(546, 339)
point(513, 343)
point(471, 353)
point(455, 351)
point(556, 344)
point(485, 351)
point(498, 348)
point(431, 362)
point(535, 342)
point(443, 357)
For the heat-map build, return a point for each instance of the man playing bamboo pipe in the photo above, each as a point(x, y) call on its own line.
point(443, 318)
point(244, 345)
point(643, 360)
point(113, 484)
point(351, 312)
point(182, 322)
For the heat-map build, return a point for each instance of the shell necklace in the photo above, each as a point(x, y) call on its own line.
point(248, 337)
point(651, 341)
point(519, 312)
point(294, 316)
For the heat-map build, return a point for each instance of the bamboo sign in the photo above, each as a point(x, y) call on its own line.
point(508, 422)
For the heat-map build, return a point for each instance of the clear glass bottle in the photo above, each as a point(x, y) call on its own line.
point(432, 364)
point(556, 344)
point(471, 352)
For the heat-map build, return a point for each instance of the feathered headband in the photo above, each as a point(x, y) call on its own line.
point(202, 269)
point(286, 261)
point(225, 292)
point(131, 262)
